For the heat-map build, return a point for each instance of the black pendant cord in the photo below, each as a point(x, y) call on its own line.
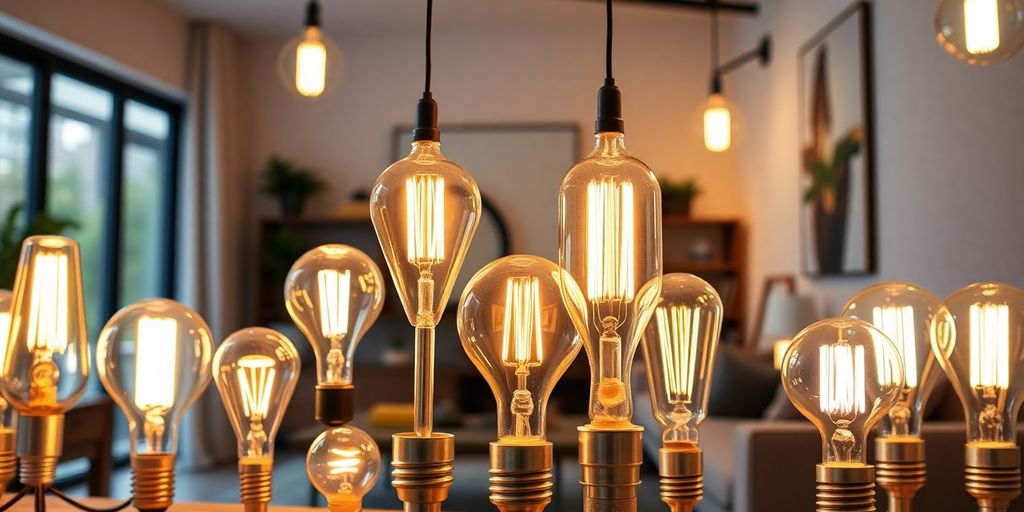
point(716, 77)
point(426, 108)
point(609, 99)
point(39, 500)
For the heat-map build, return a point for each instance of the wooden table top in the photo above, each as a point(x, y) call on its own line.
point(54, 504)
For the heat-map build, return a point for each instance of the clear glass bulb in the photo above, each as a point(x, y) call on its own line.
point(425, 209)
point(47, 360)
point(343, 464)
point(334, 293)
point(980, 32)
point(609, 217)
point(256, 370)
point(516, 330)
point(903, 311)
point(153, 357)
point(8, 414)
point(978, 338)
point(717, 124)
point(679, 348)
point(844, 375)
point(311, 63)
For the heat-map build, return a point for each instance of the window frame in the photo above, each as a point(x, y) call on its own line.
point(45, 65)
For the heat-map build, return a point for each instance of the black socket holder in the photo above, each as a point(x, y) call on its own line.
point(426, 120)
point(609, 108)
point(333, 405)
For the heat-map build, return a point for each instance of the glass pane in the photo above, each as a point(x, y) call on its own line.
point(77, 181)
point(143, 226)
point(17, 83)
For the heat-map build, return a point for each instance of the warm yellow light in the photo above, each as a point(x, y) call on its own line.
point(897, 322)
point(256, 375)
point(334, 289)
point(48, 311)
point(5, 332)
point(311, 64)
point(424, 211)
point(717, 129)
point(842, 380)
point(981, 26)
point(155, 364)
point(610, 243)
point(344, 461)
point(990, 345)
point(779, 352)
point(521, 344)
point(679, 335)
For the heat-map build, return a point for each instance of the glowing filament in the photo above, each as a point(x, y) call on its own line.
point(156, 357)
point(311, 64)
point(521, 336)
point(990, 345)
point(5, 332)
point(717, 129)
point(256, 379)
point(424, 210)
point(610, 240)
point(842, 381)
point(48, 309)
point(981, 26)
point(897, 322)
point(679, 336)
point(334, 289)
point(344, 462)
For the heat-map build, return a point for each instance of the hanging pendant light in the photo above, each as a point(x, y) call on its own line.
point(310, 64)
point(980, 32)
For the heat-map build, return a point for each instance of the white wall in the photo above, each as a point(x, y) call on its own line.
point(950, 153)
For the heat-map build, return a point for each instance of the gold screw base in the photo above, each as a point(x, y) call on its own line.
point(521, 477)
point(993, 475)
point(8, 460)
point(423, 470)
point(682, 477)
point(900, 469)
point(610, 461)
point(152, 482)
point(40, 439)
point(848, 488)
point(254, 479)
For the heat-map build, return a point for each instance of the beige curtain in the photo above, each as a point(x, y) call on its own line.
point(210, 210)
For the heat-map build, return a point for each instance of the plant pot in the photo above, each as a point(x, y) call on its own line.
point(677, 206)
point(292, 205)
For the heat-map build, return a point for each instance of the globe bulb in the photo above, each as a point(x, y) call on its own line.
point(255, 370)
point(425, 210)
point(844, 375)
point(310, 63)
point(516, 330)
point(343, 464)
point(153, 358)
point(718, 124)
point(903, 311)
point(679, 348)
point(980, 32)
point(334, 293)
point(609, 221)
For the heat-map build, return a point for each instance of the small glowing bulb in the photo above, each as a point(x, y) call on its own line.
point(717, 124)
point(311, 64)
point(343, 463)
point(981, 26)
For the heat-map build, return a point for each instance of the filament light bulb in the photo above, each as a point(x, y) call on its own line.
point(679, 348)
point(843, 375)
point(903, 311)
point(343, 463)
point(977, 338)
point(517, 331)
point(334, 293)
point(980, 32)
point(610, 230)
point(256, 370)
point(717, 123)
point(311, 63)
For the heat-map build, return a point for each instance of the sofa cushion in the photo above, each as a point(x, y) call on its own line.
point(717, 437)
point(742, 385)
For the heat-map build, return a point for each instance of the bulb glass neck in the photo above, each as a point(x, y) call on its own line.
point(608, 145)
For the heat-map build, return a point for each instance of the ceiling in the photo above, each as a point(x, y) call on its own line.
point(283, 17)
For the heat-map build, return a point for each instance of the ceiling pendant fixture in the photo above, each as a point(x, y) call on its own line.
point(980, 32)
point(310, 64)
point(719, 121)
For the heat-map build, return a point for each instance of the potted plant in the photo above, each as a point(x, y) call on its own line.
point(677, 197)
point(290, 184)
point(13, 232)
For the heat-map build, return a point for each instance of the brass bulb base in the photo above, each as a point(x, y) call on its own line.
point(254, 483)
point(845, 488)
point(993, 475)
point(682, 477)
point(40, 440)
point(900, 469)
point(610, 461)
point(152, 482)
point(521, 476)
point(8, 459)
point(423, 470)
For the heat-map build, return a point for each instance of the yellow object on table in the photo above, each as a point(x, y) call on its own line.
point(390, 414)
point(54, 504)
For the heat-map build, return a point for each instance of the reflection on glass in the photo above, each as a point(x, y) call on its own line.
point(17, 83)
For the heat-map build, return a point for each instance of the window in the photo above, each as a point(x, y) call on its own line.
point(81, 145)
